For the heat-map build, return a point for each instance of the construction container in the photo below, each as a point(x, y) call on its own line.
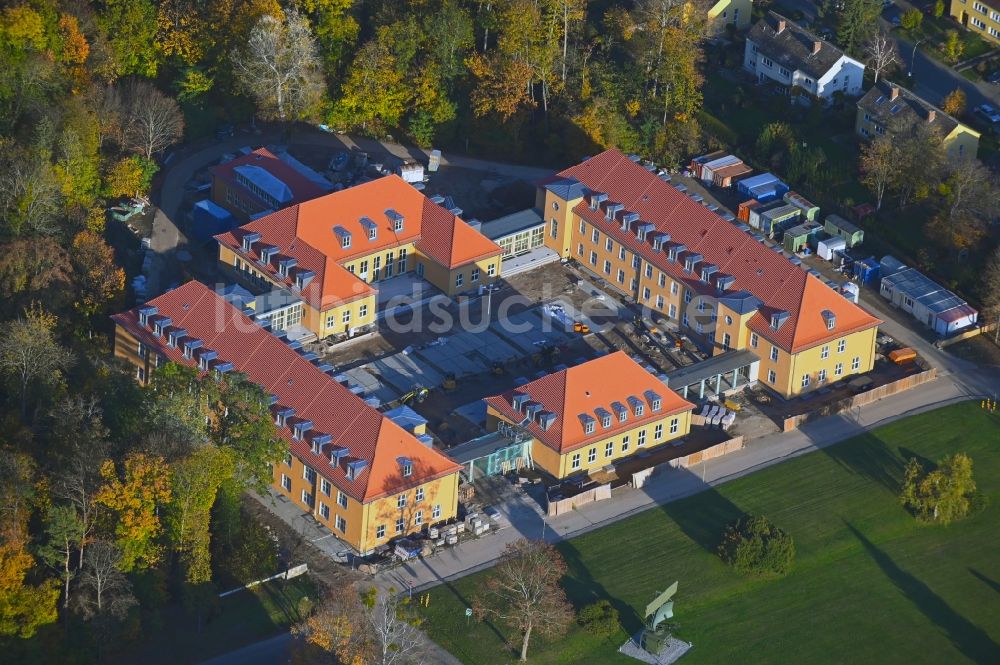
point(825, 249)
point(904, 355)
point(867, 271)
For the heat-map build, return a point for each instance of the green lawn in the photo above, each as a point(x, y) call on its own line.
point(870, 585)
point(243, 618)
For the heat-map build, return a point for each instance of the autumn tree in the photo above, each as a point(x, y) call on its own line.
point(335, 27)
point(990, 286)
point(30, 196)
point(523, 592)
point(152, 120)
point(376, 91)
point(911, 20)
point(194, 482)
point(501, 85)
point(940, 495)
point(134, 498)
point(241, 422)
point(953, 46)
point(30, 354)
point(104, 589)
point(63, 532)
point(130, 26)
point(100, 279)
point(279, 67)
point(881, 53)
point(34, 269)
point(878, 167)
point(24, 607)
point(954, 102)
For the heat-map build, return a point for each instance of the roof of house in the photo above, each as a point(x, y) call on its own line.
point(297, 383)
point(602, 386)
point(926, 291)
point(312, 232)
point(273, 175)
point(792, 46)
point(838, 222)
point(906, 109)
point(512, 223)
point(779, 284)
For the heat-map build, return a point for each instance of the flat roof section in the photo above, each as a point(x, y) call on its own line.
point(512, 223)
point(710, 368)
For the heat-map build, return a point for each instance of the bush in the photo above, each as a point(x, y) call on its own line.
point(941, 495)
point(754, 546)
point(600, 619)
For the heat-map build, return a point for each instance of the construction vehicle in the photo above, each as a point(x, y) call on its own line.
point(449, 381)
point(415, 396)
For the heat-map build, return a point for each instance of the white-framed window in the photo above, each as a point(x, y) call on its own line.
point(575, 461)
point(400, 524)
point(595, 236)
point(771, 376)
point(286, 482)
point(591, 455)
point(288, 459)
point(418, 517)
point(583, 227)
point(380, 531)
point(363, 312)
point(308, 473)
point(555, 205)
point(674, 288)
point(436, 511)
point(646, 293)
point(341, 524)
point(774, 353)
point(625, 443)
point(841, 345)
point(474, 277)
point(675, 424)
point(641, 438)
point(726, 339)
point(606, 421)
point(821, 376)
point(401, 501)
point(753, 340)
point(662, 281)
point(607, 267)
point(672, 311)
point(418, 495)
point(593, 258)
point(766, 62)
point(856, 364)
point(824, 353)
point(621, 252)
point(609, 244)
point(324, 486)
point(609, 449)
point(659, 302)
point(588, 427)
point(554, 226)
point(342, 499)
point(838, 369)
point(307, 498)
point(621, 276)
point(324, 510)
point(658, 432)
point(580, 250)
point(345, 318)
point(805, 380)
point(459, 279)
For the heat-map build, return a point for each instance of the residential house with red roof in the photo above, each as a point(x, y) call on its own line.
point(261, 181)
point(680, 259)
point(354, 470)
point(593, 414)
point(333, 250)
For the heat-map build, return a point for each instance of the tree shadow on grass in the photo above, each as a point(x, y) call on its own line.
point(868, 456)
point(582, 589)
point(704, 516)
point(993, 584)
point(968, 638)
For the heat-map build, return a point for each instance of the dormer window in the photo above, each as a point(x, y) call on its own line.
point(655, 401)
point(395, 219)
point(620, 410)
point(830, 318)
point(282, 416)
point(405, 467)
point(589, 424)
point(605, 417)
point(778, 319)
point(612, 209)
point(300, 428)
point(596, 199)
point(355, 468)
point(285, 266)
point(266, 252)
point(248, 240)
point(145, 313)
point(638, 408)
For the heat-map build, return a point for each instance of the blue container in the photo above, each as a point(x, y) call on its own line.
point(867, 271)
point(210, 219)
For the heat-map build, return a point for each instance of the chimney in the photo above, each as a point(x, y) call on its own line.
point(817, 45)
point(781, 27)
point(893, 93)
point(931, 115)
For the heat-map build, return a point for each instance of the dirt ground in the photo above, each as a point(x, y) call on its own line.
point(982, 349)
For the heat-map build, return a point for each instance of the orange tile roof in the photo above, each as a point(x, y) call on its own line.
point(771, 277)
point(301, 187)
point(597, 384)
point(297, 383)
point(307, 232)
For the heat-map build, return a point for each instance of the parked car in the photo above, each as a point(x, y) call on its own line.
point(988, 113)
point(994, 78)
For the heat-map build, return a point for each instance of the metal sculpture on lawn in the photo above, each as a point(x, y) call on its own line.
point(657, 631)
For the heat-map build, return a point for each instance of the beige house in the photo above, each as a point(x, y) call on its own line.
point(980, 16)
point(888, 108)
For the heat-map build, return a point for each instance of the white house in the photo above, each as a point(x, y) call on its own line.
point(779, 50)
